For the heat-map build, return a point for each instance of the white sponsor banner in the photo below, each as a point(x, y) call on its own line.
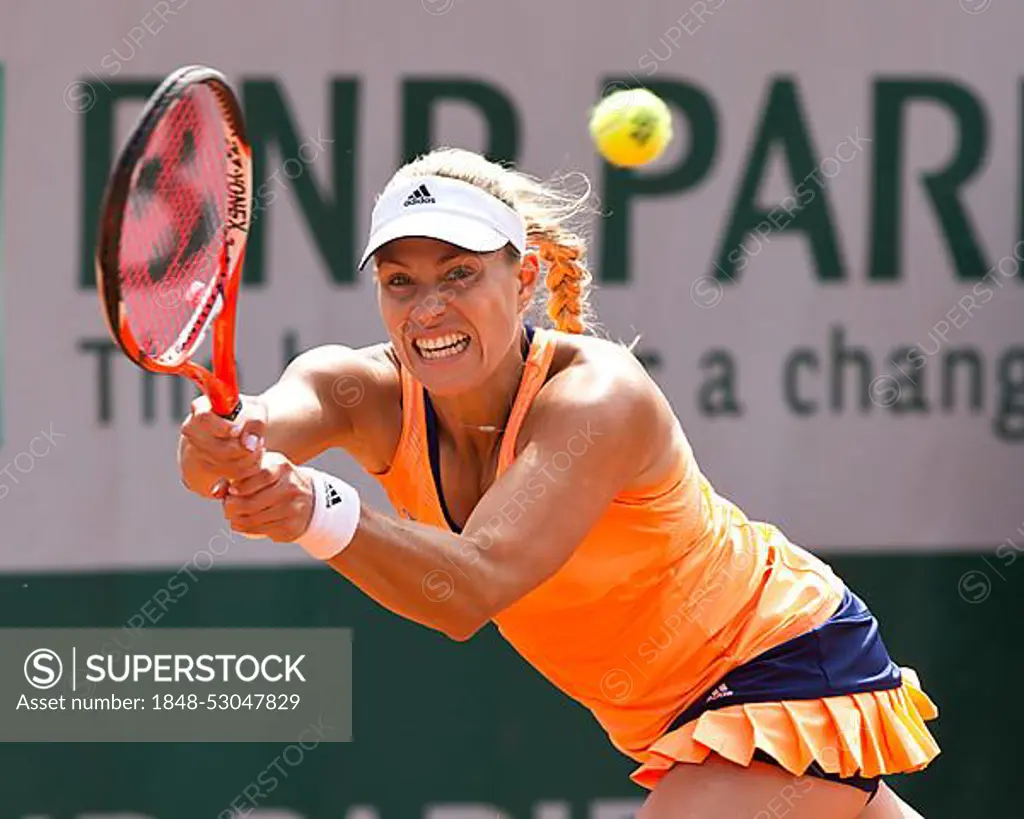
point(823, 268)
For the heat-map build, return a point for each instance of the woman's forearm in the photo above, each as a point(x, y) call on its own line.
point(434, 577)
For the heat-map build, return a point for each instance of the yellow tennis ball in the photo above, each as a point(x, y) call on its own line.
point(631, 127)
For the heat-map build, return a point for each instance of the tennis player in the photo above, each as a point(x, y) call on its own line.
point(543, 483)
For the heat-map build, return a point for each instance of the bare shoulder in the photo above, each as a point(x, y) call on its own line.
point(601, 387)
point(359, 392)
point(348, 374)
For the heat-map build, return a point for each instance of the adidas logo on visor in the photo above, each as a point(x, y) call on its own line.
point(333, 498)
point(420, 196)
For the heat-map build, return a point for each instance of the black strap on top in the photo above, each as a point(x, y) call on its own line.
point(434, 445)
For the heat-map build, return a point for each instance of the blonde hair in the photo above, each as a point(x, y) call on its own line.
point(549, 213)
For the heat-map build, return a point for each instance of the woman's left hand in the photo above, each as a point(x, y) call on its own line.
point(276, 502)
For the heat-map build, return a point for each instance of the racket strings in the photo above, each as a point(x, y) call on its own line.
point(171, 242)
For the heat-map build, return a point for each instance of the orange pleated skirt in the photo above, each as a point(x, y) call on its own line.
point(866, 734)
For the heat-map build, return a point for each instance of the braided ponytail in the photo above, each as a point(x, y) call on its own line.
point(567, 284)
point(548, 213)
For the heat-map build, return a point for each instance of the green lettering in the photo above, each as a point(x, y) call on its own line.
point(717, 395)
point(909, 389)
point(892, 98)
point(803, 356)
point(290, 348)
point(1009, 424)
point(148, 382)
point(183, 392)
point(420, 98)
point(650, 360)
point(621, 186)
point(97, 160)
point(973, 359)
point(105, 350)
point(330, 216)
point(806, 211)
point(843, 356)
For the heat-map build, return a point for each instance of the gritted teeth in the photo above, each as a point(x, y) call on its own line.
point(439, 343)
point(442, 346)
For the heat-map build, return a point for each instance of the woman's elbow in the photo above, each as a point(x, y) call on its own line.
point(463, 625)
point(465, 619)
point(471, 606)
point(462, 634)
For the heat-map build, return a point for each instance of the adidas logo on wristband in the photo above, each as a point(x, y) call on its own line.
point(336, 512)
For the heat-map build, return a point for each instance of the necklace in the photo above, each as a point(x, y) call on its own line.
point(522, 368)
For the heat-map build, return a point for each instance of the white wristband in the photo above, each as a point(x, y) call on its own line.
point(336, 510)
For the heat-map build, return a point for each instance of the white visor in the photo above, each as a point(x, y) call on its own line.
point(449, 210)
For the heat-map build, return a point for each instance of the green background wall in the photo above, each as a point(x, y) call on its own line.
point(438, 721)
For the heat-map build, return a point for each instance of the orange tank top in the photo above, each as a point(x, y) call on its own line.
point(672, 588)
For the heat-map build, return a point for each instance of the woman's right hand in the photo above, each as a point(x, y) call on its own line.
point(213, 451)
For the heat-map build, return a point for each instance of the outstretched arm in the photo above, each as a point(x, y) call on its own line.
point(591, 436)
point(590, 440)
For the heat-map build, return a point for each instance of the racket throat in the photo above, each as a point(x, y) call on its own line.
point(218, 305)
point(192, 337)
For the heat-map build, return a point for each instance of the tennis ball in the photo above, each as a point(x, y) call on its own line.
point(631, 127)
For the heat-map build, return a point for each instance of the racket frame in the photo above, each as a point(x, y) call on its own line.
point(221, 384)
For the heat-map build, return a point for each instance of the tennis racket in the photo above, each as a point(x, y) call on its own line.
point(173, 228)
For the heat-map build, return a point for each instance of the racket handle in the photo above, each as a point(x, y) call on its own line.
point(224, 400)
point(233, 414)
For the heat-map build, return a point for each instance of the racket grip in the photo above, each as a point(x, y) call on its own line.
point(233, 414)
point(225, 400)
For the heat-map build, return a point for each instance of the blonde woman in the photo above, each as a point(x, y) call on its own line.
point(544, 483)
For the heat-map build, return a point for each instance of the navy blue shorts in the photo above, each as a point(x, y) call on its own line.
point(845, 655)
